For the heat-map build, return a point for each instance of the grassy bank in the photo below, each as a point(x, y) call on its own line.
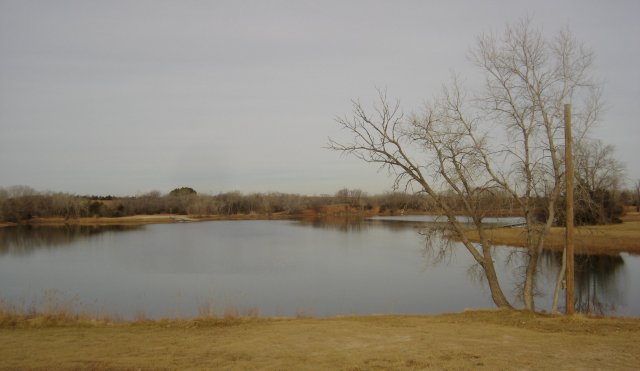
point(599, 239)
point(470, 340)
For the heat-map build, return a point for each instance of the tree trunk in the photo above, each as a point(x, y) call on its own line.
point(532, 264)
point(485, 259)
point(529, 281)
point(492, 279)
point(556, 292)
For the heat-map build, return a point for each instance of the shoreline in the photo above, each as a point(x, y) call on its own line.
point(610, 239)
point(335, 212)
point(143, 219)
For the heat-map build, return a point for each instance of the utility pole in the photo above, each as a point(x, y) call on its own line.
point(568, 154)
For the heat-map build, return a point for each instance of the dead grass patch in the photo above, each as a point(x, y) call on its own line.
point(489, 339)
point(601, 239)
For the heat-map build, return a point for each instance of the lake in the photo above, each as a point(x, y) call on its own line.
point(277, 268)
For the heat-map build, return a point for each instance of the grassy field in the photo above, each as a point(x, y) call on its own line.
point(470, 340)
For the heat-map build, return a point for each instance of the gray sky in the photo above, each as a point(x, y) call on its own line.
point(124, 97)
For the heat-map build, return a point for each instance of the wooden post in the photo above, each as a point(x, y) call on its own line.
point(569, 207)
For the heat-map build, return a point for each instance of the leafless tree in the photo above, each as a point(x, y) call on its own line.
point(528, 81)
point(385, 138)
point(504, 138)
point(598, 176)
point(596, 166)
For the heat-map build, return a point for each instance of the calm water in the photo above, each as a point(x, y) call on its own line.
point(279, 268)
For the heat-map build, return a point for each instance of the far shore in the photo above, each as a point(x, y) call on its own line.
point(600, 239)
point(144, 219)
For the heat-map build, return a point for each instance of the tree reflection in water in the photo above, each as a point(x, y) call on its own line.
point(28, 239)
point(357, 224)
point(601, 283)
point(341, 223)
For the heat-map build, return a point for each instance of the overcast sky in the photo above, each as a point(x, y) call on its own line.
point(125, 97)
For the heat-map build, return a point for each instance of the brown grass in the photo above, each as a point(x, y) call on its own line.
point(631, 215)
point(470, 340)
point(601, 239)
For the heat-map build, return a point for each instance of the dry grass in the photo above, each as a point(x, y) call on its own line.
point(631, 215)
point(470, 340)
point(600, 239)
point(57, 310)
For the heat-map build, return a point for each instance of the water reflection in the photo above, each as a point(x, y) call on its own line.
point(327, 267)
point(601, 283)
point(340, 223)
point(358, 224)
point(25, 240)
point(441, 219)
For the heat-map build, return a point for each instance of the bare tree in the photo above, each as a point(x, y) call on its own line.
point(528, 81)
point(504, 138)
point(385, 139)
point(598, 177)
point(596, 165)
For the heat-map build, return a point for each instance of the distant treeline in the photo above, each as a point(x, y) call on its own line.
point(22, 203)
